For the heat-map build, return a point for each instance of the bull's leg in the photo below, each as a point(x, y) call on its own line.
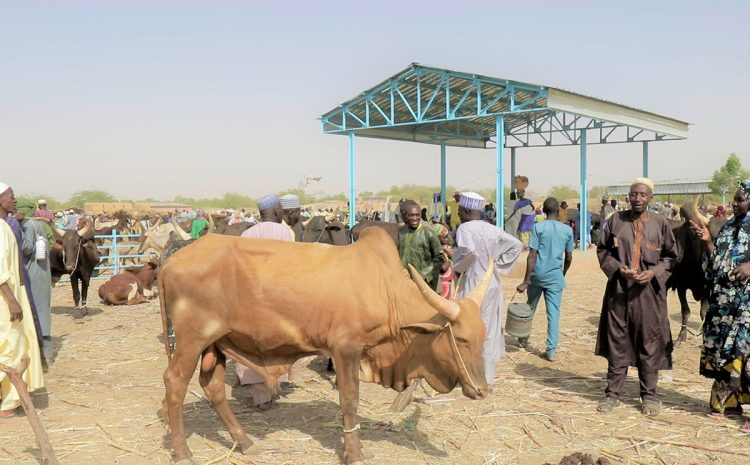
point(685, 308)
point(213, 368)
point(176, 379)
point(347, 376)
point(76, 292)
point(704, 309)
point(85, 290)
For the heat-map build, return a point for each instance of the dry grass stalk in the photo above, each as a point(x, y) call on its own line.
point(531, 436)
point(684, 444)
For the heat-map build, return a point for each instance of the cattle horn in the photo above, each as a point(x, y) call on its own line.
point(447, 308)
point(57, 231)
point(477, 295)
point(86, 230)
point(696, 214)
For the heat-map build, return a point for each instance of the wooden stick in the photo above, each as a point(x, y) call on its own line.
point(683, 444)
point(403, 398)
point(48, 455)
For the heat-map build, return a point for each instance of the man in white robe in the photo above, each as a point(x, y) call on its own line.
point(477, 243)
point(17, 331)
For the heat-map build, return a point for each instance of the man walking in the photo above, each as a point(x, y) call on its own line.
point(550, 255)
point(478, 243)
point(636, 252)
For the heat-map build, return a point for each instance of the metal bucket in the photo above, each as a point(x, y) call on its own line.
point(519, 319)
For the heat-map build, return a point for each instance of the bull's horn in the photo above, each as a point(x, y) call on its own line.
point(477, 295)
point(86, 230)
point(58, 231)
point(447, 308)
point(695, 212)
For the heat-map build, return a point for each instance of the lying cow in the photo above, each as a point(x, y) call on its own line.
point(238, 298)
point(131, 287)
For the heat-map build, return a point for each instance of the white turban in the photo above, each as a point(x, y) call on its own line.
point(3, 187)
point(645, 181)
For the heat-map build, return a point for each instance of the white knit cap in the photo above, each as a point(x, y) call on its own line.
point(3, 187)
point(289, 201)
point(645, 181)
point(471, 201)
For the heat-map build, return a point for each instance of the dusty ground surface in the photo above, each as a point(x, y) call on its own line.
point(104, 391)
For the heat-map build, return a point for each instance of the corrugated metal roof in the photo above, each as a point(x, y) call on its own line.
point(667, 188)
point(435, 105)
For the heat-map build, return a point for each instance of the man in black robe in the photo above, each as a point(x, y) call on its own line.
point(636, 252)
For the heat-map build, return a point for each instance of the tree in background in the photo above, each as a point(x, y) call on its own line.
point(725, 179)
point(81, 197)
point(563, 192)
point(597, 192)
point(52, 204)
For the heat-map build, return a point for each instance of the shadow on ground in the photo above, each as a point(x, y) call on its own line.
point(319, 419)
point(592, 388)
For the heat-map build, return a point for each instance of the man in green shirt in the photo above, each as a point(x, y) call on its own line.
point(419, 244)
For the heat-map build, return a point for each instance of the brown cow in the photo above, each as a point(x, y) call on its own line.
point(240, 298)
point(131, 287)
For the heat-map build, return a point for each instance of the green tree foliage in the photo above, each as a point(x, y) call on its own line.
point(597, 192)
point(725, 179)
point(81, 197)
point(52, 204)
point(563, 192)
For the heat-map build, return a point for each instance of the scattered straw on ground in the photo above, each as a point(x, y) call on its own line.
point(104, 393)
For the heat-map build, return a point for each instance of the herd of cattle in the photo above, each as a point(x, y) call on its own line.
point(273, 302)
point(76, 253)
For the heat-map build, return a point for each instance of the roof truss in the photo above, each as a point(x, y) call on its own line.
point(438, 106)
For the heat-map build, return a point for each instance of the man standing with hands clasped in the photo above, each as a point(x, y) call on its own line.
point(636, 253)
point(550, 255)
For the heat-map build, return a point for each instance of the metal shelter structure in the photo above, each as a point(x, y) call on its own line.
point(667, 188)
point(449, 108)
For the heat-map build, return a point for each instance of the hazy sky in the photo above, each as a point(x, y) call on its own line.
point(156, 98)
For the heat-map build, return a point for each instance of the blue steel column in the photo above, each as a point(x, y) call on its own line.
point(645, 159)
point(513, 169)
point(584, 195)
point(500, 171)
point(443, 197)
point(352, 183)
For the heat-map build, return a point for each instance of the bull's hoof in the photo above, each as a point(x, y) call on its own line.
point(681, 338)
point(252, 449)
point(189, 461)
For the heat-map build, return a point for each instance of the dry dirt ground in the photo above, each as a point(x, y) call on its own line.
point(104, 391)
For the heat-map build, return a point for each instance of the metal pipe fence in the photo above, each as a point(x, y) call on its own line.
point(112, 263)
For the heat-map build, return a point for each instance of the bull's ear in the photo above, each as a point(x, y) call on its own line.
point(423, 327)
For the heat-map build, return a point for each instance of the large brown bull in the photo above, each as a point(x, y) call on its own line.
point(687, 274)
point(75, 254)
point(239, 298)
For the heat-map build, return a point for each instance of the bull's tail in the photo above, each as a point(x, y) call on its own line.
point(164, 316)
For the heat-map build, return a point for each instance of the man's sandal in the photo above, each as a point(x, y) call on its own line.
point(607, 404)
point(651, 408)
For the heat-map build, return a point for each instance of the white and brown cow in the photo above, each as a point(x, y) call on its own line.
point(131, 287)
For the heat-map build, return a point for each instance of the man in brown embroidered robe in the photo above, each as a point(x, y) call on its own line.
point(636, 252)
